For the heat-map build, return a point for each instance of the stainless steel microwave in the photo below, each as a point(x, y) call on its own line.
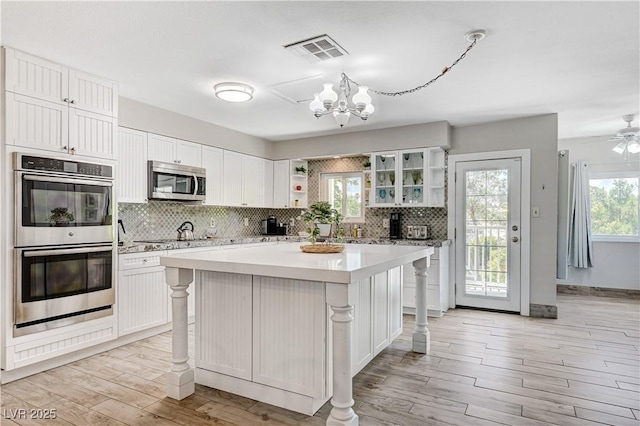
point(177, 182)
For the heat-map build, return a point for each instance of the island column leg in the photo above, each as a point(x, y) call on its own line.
point(421, 338)
point(340, 298)
point(180, 380)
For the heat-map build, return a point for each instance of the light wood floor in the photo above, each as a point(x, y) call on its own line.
point(484, 368)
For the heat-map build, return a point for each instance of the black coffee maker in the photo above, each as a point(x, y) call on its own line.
point(269, 225)
point(395, 230)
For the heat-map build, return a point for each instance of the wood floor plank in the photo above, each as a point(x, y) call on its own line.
point(72, 392)
point(605, 418)
point(266, 411)
point(80, 416)
point(500, 417)
point(236, 415)
point(113, 390)
point(131, 415)
point(32, 395)
point(556, 397)
point(183, 415)
point(555, 418)
point(485, 368)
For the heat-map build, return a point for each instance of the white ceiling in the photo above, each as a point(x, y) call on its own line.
point(578, 59)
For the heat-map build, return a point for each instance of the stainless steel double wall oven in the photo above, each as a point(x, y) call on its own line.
point(64, 244)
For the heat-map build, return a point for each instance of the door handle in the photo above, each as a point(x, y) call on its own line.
point(515, 239)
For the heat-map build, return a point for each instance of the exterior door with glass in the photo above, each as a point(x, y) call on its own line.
point(488, 234)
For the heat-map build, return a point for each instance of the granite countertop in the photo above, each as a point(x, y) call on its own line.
point(145, 246)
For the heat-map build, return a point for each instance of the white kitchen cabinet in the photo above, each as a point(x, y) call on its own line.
point(252, 181)
point(281, 184)
point(290, 186)
point(408, 178)
point(267, 183)
point(58, 109)
point(131, 182)
point(437, 284)
point(244, 180)
point(213, 161)
point(250, 329)
point(232, 179)
point(377, 316)
point(171, 150)
point(36, 77)
point(50, 126)
point(142, 292)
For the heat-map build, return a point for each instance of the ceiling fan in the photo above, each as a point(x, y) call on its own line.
point(628, 138)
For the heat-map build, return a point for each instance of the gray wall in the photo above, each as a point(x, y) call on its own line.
point(540, 135)
point(140, 116)
point(615, 264)
point(415, 136)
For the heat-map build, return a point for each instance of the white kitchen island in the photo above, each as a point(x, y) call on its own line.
point(288, 328)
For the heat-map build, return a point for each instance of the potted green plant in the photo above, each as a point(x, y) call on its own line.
point(367, 165)
point(61, 217)
point(300, 170)
point(319, 217)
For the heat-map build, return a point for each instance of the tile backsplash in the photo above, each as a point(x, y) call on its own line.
point(158, 220)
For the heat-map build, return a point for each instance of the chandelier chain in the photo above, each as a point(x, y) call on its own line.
point(348, 79)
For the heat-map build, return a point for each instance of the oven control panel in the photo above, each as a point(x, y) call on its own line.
point(29, 162)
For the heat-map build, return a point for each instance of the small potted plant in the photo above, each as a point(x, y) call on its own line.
point(319, 217)
point(367, 165)
point(61, 217)
point(300, 170)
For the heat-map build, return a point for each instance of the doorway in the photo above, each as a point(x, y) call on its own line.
point(490, 231)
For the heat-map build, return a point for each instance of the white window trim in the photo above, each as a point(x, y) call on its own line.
point(325, 197)
point(613, 174)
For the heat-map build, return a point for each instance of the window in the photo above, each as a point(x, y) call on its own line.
point(614, 205)
point(344, 192)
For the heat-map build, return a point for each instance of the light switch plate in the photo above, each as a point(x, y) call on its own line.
point(385, 223)
point(246, 221)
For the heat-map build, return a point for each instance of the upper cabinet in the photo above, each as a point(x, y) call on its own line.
point(290, 183)
point(171, 150)
point(244, 180)
point(131, 182)
point(408, 178)
point(212, 161)
point(56, 108)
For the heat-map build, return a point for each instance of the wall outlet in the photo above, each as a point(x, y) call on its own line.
point(292, 222)
point(385, 223)
point(212, 222)
point(535, 212)
point(246, 221)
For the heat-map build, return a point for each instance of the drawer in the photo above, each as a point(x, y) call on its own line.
point(433, 273)
point(140, 260)
point(433, 297)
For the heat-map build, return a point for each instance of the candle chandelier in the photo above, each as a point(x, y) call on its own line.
point(324, 103)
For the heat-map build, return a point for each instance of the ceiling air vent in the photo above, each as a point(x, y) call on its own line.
point(316, 49)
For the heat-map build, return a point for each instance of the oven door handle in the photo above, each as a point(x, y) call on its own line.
point(66, 180)
point(35, 253)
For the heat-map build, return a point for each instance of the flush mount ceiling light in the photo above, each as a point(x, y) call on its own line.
point(324, 103)
point(628, 138)
point(233, 92)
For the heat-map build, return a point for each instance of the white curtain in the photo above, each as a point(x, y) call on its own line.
point(580, 240)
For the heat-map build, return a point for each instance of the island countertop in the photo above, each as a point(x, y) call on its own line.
point(356, 262)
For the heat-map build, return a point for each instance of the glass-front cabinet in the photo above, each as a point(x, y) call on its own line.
point(409, 178)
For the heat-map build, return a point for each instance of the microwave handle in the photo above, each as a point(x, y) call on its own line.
point(195, 181)
point(66, 180)
point(35, 253)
